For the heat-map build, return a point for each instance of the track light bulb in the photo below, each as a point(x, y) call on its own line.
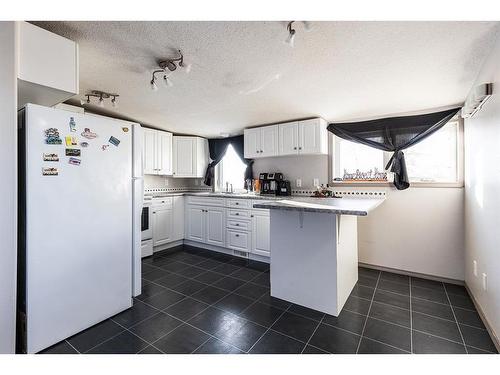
point(291, 38)
point(114, 103)
point(167, 81)
point(101, 102)
point(154, 87)
point(88, 99)
point(82, 102)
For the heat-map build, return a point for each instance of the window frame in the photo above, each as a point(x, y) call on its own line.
point(219, 178)
point(334, 164)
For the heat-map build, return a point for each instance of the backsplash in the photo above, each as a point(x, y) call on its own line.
point(152, 181)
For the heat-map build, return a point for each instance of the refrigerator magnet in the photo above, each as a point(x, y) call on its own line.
point(50, 172)
point(73, 152)
point(74, 161)
point(104, 147)
point(125, 129)
point(50, 157)
point(88, 134)
point(84, 144)
point(114, 141)
point(71, 141)
point(52, 137)
point(72, 124)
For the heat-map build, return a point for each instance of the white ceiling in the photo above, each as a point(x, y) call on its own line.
point(243, 73)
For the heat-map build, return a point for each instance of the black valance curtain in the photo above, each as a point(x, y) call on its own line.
point(394, 134)
point(218, 148)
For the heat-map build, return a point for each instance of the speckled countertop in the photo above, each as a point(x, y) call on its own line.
point(342, 206)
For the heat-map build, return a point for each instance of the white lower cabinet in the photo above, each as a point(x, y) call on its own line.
point(206, 224)
point(261, 233)
point(178, 219)
point(215, 224)
point(240, 241)
point(162, 225)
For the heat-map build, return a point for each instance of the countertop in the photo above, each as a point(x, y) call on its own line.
point(341, 206)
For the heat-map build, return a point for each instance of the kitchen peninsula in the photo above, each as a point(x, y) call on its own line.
point(314, 258)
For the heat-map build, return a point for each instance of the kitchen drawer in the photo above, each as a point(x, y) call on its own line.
point(206, 201)
point(237, 240)
point(261, 210)
point(238, 214)
point(239, 203)
point(238, 224)
point(165, 201)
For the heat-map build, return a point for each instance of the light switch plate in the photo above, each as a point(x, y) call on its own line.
point(316, 182)
point(485, 282)
point(298, 182)
point(474, 267)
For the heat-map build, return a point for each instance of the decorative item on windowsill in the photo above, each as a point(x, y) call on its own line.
point(371, 175)
point(324, 192)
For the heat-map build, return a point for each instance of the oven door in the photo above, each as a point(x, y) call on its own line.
point(146, 223)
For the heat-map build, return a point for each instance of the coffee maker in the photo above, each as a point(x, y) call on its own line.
point(269, 182)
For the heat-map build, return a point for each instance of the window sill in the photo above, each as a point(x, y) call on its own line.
point(389, 184)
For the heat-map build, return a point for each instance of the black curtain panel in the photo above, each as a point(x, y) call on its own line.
point(394, 134)
point(218, 148)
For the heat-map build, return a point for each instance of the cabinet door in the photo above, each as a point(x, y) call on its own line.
point(310, 137)
point(215, 219)
point(162, 226)
point(184, 157)
point(164, 152)
point(269, 140)
point(288, 138)
point(252, 139)
point(261, 234)
point(149, 152)
point(178, 225)
point(195, 223)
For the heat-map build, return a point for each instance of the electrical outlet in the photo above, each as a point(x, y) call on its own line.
point(485, 279)
point(298, 182)
point(316, 182)
point(474, 267)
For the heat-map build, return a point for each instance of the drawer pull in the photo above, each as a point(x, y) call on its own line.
point(237, 204)
point(237, 235)
point(237, 214)
point(237, 225)
point(251, 215)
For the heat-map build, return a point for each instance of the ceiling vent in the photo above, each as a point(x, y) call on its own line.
point(476, 99)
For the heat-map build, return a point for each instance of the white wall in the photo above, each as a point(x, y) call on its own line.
point(304, 167)
point(417, 230)
point(8, 187)
point(482, 196)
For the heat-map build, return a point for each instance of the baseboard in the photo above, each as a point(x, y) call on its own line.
point(167, 246)
point(487, 324)
point(414, 274)
point(225, 250)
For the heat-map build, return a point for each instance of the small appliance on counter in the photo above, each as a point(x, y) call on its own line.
point(269, 182)
point(284, 188)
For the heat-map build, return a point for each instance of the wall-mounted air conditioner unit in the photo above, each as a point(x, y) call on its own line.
point(476, 99)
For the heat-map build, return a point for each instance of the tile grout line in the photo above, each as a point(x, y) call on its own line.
point(411, 320)
point(267, 330)
point(312, 334)
point(77, 351)
point(456, 320)
point(368, 313)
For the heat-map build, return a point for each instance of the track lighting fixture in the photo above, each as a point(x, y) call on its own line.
point(291, 34)
point(167, 67)
point(100, 95)
point(290, 39)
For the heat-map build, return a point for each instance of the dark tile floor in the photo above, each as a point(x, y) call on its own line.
point(197, 301)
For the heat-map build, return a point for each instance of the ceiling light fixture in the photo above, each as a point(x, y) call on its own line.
point(476, 99)
point(100, 95)
point(167, 67)
point(291, 34)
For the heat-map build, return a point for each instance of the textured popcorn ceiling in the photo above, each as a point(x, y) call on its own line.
point(244, 75)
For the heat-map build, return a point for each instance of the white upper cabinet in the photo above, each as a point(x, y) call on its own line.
point(261, 142)
point(289, 138)
point(157, 152)
point(307, 137)
point(47, 66)
point(313, 137)
point(190, 157)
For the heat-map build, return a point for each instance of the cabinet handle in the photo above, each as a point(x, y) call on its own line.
point(237, 204)
point(237, 235)
point(300, 148)
point(261, 151)
point(154, 212)
point(237, 225)
point(295, 148)
point(237, 214)
point(251, 215)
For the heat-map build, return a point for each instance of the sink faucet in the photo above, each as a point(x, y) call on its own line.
point(232, 191)
point(227, 187)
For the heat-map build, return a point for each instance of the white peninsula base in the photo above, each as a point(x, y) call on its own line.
point(314, 258)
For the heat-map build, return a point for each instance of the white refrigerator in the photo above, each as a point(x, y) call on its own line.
point(80, 201)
